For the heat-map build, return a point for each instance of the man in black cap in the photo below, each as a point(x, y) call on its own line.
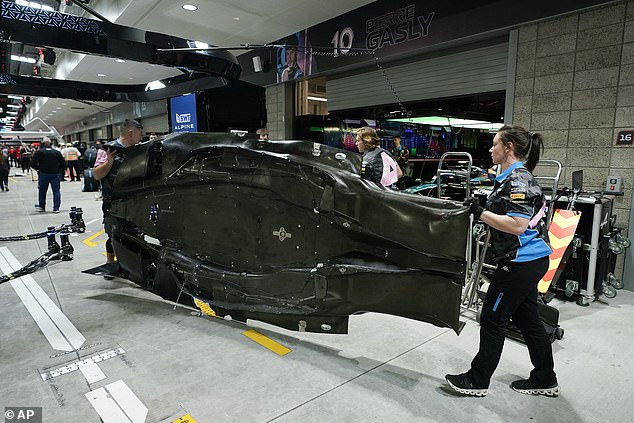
point(48, 163)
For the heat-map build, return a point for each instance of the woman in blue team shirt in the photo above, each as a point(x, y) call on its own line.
point(514, 213)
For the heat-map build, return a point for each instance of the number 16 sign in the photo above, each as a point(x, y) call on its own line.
point(625, 138)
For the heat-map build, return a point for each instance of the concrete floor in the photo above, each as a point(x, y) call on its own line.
point(175, 362)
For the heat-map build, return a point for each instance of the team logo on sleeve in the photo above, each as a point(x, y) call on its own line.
point(390, 175)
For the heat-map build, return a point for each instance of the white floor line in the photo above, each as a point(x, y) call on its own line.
point(93, 221)
point(43, 310)
point(37, 302)
point(91, 371)
point(116, 403)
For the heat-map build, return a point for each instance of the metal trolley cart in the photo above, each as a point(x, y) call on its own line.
point(477, 280)
point(550, 183)
point(460, 175)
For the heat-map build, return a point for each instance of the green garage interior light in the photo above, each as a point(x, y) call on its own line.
point(450, 121)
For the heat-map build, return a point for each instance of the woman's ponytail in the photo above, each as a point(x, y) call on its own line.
point(527, 146)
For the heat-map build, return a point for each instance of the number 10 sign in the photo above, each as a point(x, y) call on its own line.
point(625, 138)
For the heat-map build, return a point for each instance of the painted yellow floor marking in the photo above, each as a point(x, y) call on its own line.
point(89, 241)
point(205, 308)
point(14, 180)
point(187, 418)
point(266, 342)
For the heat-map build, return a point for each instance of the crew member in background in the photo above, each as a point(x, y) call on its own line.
point(5, 167)
point(48, 163)
point(14, 153)
point(514, 213)
point(82, 147)
point(399, 152)
point(72, 155)
point(378, 165)
point(25, 159)
point(105, 170)
point(263, 134)
point(401, 155)
point(57, 145)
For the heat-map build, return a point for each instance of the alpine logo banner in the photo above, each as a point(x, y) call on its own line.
point(183, 113)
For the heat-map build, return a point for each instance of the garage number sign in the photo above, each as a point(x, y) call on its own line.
point(625, 138)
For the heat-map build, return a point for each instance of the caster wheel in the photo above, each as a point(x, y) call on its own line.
point(614, 281)
point(623, 241)
point(617, 248)
point(582, 303)
point(559, 333)
point(570, 288)
point(609, 292)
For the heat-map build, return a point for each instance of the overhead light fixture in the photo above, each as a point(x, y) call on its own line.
point(15, 97)
point(119, 60)
point(101, 74)
point(34, 5)
point(13, 106)
point(236, 18)
point(22, 59)
point(190, 7)
point(154, 85)
point(257, 64)
point(310, 97)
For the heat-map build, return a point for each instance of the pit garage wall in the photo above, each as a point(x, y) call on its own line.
point(153, 116)
point(477, 70)
point(279, 111)
point(574, 83)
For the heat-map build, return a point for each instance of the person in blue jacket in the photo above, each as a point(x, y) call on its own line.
point(48, 163)
point(514, 213)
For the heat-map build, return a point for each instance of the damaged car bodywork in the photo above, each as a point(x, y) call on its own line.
point(284, 232)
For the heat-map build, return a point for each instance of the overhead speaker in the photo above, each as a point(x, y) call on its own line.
point(257, 64)
point(49, 56)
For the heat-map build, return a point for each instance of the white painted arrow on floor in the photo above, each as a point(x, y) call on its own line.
point(116, 403)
